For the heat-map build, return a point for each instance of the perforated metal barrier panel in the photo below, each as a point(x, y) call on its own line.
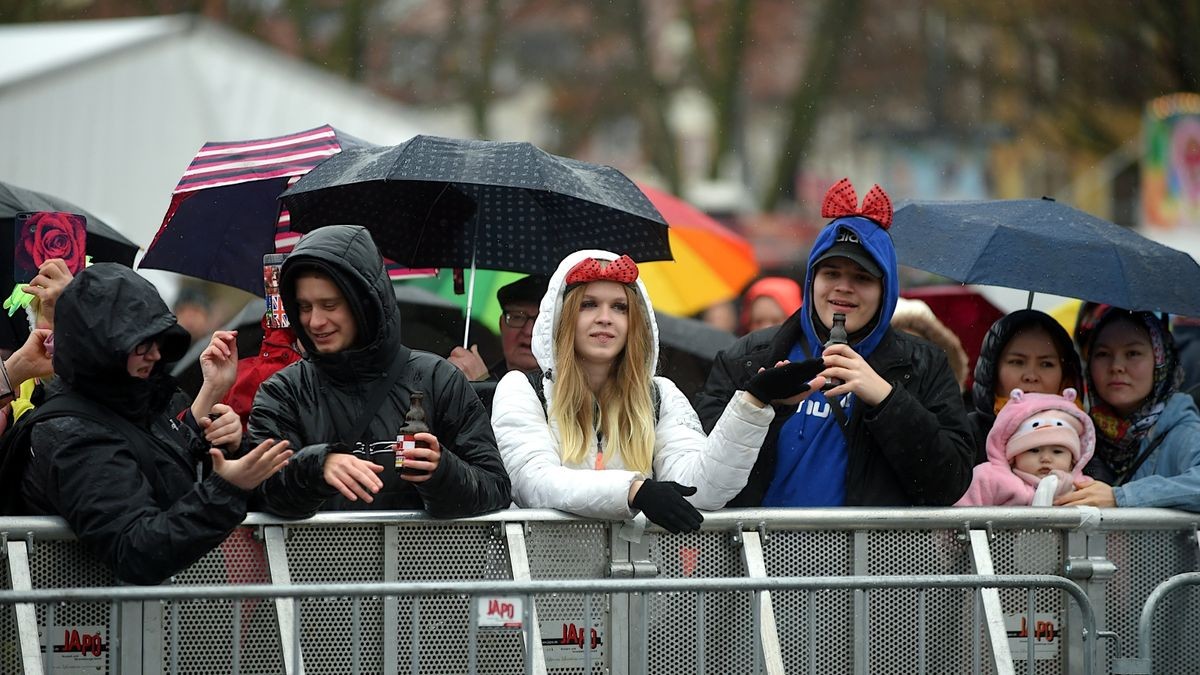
point(880, 631)
point(1143, 560)
point(577, 550)
point(198, 637)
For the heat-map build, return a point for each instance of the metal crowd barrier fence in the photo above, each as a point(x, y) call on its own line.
point(766, 590)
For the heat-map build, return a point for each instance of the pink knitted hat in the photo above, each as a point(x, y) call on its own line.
point(1030, 421)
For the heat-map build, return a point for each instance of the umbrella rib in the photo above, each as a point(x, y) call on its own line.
point(425, 221)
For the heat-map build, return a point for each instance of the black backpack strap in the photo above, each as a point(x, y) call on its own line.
point(535, 381)
point(1141, 459)
point(378, 394)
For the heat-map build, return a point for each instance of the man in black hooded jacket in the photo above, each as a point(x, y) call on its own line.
point(335, 288)
point(116, 446)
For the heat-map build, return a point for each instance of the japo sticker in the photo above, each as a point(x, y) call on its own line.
point(75, 649)
point(1044, 632)
point(499, 611)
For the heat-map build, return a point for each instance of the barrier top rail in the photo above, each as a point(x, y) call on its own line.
point(843, 518)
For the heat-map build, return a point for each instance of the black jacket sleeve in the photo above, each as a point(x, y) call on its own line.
point(729, 373)
point(470, 478)
point(922, 431)
point(299, 489)
point(96, 482)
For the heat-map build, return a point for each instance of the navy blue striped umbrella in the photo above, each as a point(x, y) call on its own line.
point(225, 212)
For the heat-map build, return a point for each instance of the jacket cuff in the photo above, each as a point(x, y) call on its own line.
point(225, 487)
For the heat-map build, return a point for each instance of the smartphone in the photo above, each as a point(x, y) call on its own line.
point(276, 317)
point(39, 236)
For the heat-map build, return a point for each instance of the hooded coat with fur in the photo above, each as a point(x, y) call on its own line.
point(717, 466)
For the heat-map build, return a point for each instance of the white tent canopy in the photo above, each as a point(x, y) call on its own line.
point(108, 114)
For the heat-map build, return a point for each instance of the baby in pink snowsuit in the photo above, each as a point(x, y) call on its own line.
point(1034, 436)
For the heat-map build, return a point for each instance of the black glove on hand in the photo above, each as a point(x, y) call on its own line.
point(664, 504)
point(784, 381)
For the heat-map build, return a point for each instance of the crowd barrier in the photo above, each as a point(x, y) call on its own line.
point(987, 590)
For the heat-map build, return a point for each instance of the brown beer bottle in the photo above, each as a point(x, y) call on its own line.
point(837, 336)
point(414, 423)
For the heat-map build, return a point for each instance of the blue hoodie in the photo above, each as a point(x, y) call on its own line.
point(811, 468)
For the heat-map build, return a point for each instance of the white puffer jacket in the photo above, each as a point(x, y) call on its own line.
point(717, 466)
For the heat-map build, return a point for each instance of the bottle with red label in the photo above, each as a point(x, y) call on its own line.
point(414, 423)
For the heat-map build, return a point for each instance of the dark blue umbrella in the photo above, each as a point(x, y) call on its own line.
point(224, 213)
point(446, 202)
point(1044, 246)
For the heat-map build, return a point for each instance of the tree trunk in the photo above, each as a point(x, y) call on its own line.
point(657, 135)
point(837, 20)
point(725, 97)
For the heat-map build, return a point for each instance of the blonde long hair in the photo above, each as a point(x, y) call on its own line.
point(625, 404)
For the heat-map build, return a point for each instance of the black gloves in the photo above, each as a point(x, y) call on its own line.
point(784, 381)
point(664, 504)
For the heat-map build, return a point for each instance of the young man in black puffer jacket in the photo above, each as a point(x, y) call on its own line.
point(336, 291)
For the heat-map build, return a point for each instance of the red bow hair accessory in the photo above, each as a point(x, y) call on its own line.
point(622, 270)
point(841, 202)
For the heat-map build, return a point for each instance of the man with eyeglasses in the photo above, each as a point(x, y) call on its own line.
point(519, 302)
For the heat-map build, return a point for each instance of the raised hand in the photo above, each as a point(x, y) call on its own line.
point(218, 362)
point(249, 471)
point(52, 277)
point(470, 362)
point(32, 359)
point(785, 381)
point(222, 427)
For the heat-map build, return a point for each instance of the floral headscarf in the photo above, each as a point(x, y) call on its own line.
point(1118, 437)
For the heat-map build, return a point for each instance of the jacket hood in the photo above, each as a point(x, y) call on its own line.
point(347, 254)
point(1022, 407)
point(983, 390)
point(550, 311)
point(104, 313)
point(878, 244)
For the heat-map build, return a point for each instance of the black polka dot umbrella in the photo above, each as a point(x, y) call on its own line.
point(446, 202)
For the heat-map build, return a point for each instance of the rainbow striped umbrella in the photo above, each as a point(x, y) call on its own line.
point(225, 213)
point(712, 263)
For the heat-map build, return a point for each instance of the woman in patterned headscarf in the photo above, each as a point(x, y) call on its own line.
point(1147, 432)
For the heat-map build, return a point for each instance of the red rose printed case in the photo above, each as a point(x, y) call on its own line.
point(39, 236)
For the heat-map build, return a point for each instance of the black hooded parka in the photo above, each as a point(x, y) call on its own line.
point(128, 488)
point(315, 402)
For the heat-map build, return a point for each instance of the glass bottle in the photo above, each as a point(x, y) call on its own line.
point(837, 336)
point(414, 423)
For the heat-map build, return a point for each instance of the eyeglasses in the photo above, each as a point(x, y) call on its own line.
point(144, 348)
point(518, 319)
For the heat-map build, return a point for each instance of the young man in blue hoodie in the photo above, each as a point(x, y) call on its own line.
point(893, 431)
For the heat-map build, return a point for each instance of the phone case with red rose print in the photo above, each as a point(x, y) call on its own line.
point(39, 236)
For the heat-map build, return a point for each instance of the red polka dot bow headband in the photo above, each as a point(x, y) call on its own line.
point(622, 271)
point(841, 202)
